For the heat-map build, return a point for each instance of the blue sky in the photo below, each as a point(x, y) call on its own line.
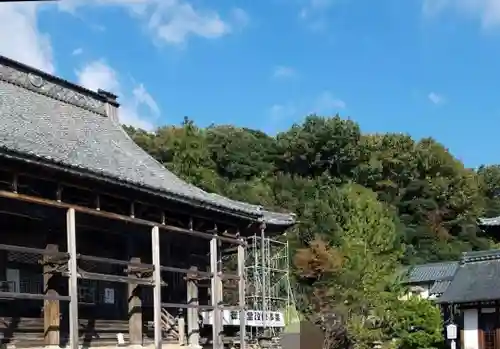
point(426, 67)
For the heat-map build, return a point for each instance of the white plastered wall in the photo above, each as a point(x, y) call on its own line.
point(471, 324)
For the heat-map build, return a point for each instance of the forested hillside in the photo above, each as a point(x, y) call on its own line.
point(366, 203)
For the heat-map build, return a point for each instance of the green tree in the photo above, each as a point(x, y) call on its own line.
point(320, 145)
point(416, 323)
point(489, 180)
point(366, 242)
point(241, 153)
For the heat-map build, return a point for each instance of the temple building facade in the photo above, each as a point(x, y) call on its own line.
point(100, 243)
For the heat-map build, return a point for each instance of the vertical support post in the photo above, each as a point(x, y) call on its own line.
point(181, 326)
point(51, 308)
point(3, 269)
point(241, 295)
point(73, 278)
point(155, 244)
point(192, 313)
point(264, 273)
point(134, 308)
point(217, 326)
point(288, 291)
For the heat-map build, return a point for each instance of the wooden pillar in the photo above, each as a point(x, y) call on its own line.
point(3, 265)
point(3, 271)
point(134, 308)
point(73, 278)
point(155, 242)
point(217, 323)
point(51, 308)
point(241, 295)
point(193, 313)
point(181, 325)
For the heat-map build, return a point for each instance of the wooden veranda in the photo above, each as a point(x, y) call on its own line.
point(62, 259)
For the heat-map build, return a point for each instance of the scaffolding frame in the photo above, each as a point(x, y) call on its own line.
point(267, 271)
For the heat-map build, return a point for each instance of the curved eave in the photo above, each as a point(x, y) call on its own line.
point(280, 219)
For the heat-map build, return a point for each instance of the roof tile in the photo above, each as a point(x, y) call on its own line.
point(477, 279)
point(432, 272)
point(65, 126)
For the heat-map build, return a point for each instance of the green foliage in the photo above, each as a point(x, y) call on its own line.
point(417, 323)
point(366, 203)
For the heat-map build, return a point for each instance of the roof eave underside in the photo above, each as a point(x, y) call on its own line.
point(283, 220)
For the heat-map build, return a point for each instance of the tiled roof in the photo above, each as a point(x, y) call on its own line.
point(477, 279)
point(439, 287)
point(55, 122)
point(431, 272)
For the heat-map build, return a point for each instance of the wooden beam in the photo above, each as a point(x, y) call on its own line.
point(23, 249)
point(32, 296)
point(134, 309)
point(155, 245)
point(241, 295)
point(51, 308)
point(192, 273)
point(132, 263)
point(73, 278)
point(113, 216)
point(114, 278)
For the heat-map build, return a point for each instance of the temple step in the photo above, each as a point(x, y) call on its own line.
point(170, 326)
point(29, 332)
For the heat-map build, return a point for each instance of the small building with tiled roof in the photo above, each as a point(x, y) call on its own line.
point(474, 295)
point(429, 280)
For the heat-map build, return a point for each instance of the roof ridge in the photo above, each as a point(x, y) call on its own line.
point(480, 256)
point(35, 80)
point(435, 264)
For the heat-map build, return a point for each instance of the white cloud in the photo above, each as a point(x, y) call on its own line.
point(143, 97)
point(327, 103)
point(487, 11)
point(240, 18)
point(282, 111)
point(284, 72)
point(433, 7)
point(77, 51)
point(182, 21)
point(314, 12)
point(98, 75)
point(324, 104)
point(436, 98)
point(20, 38)
point(138, 107)
point(313, 7)
point(171, 21)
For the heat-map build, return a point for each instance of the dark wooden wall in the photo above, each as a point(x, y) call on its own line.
point(21, 321)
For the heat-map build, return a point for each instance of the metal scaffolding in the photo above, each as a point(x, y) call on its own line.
point(267, 268)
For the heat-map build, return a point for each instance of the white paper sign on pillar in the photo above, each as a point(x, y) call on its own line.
point(109, 296)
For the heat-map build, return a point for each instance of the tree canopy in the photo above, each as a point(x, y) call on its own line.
point(366, 203)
